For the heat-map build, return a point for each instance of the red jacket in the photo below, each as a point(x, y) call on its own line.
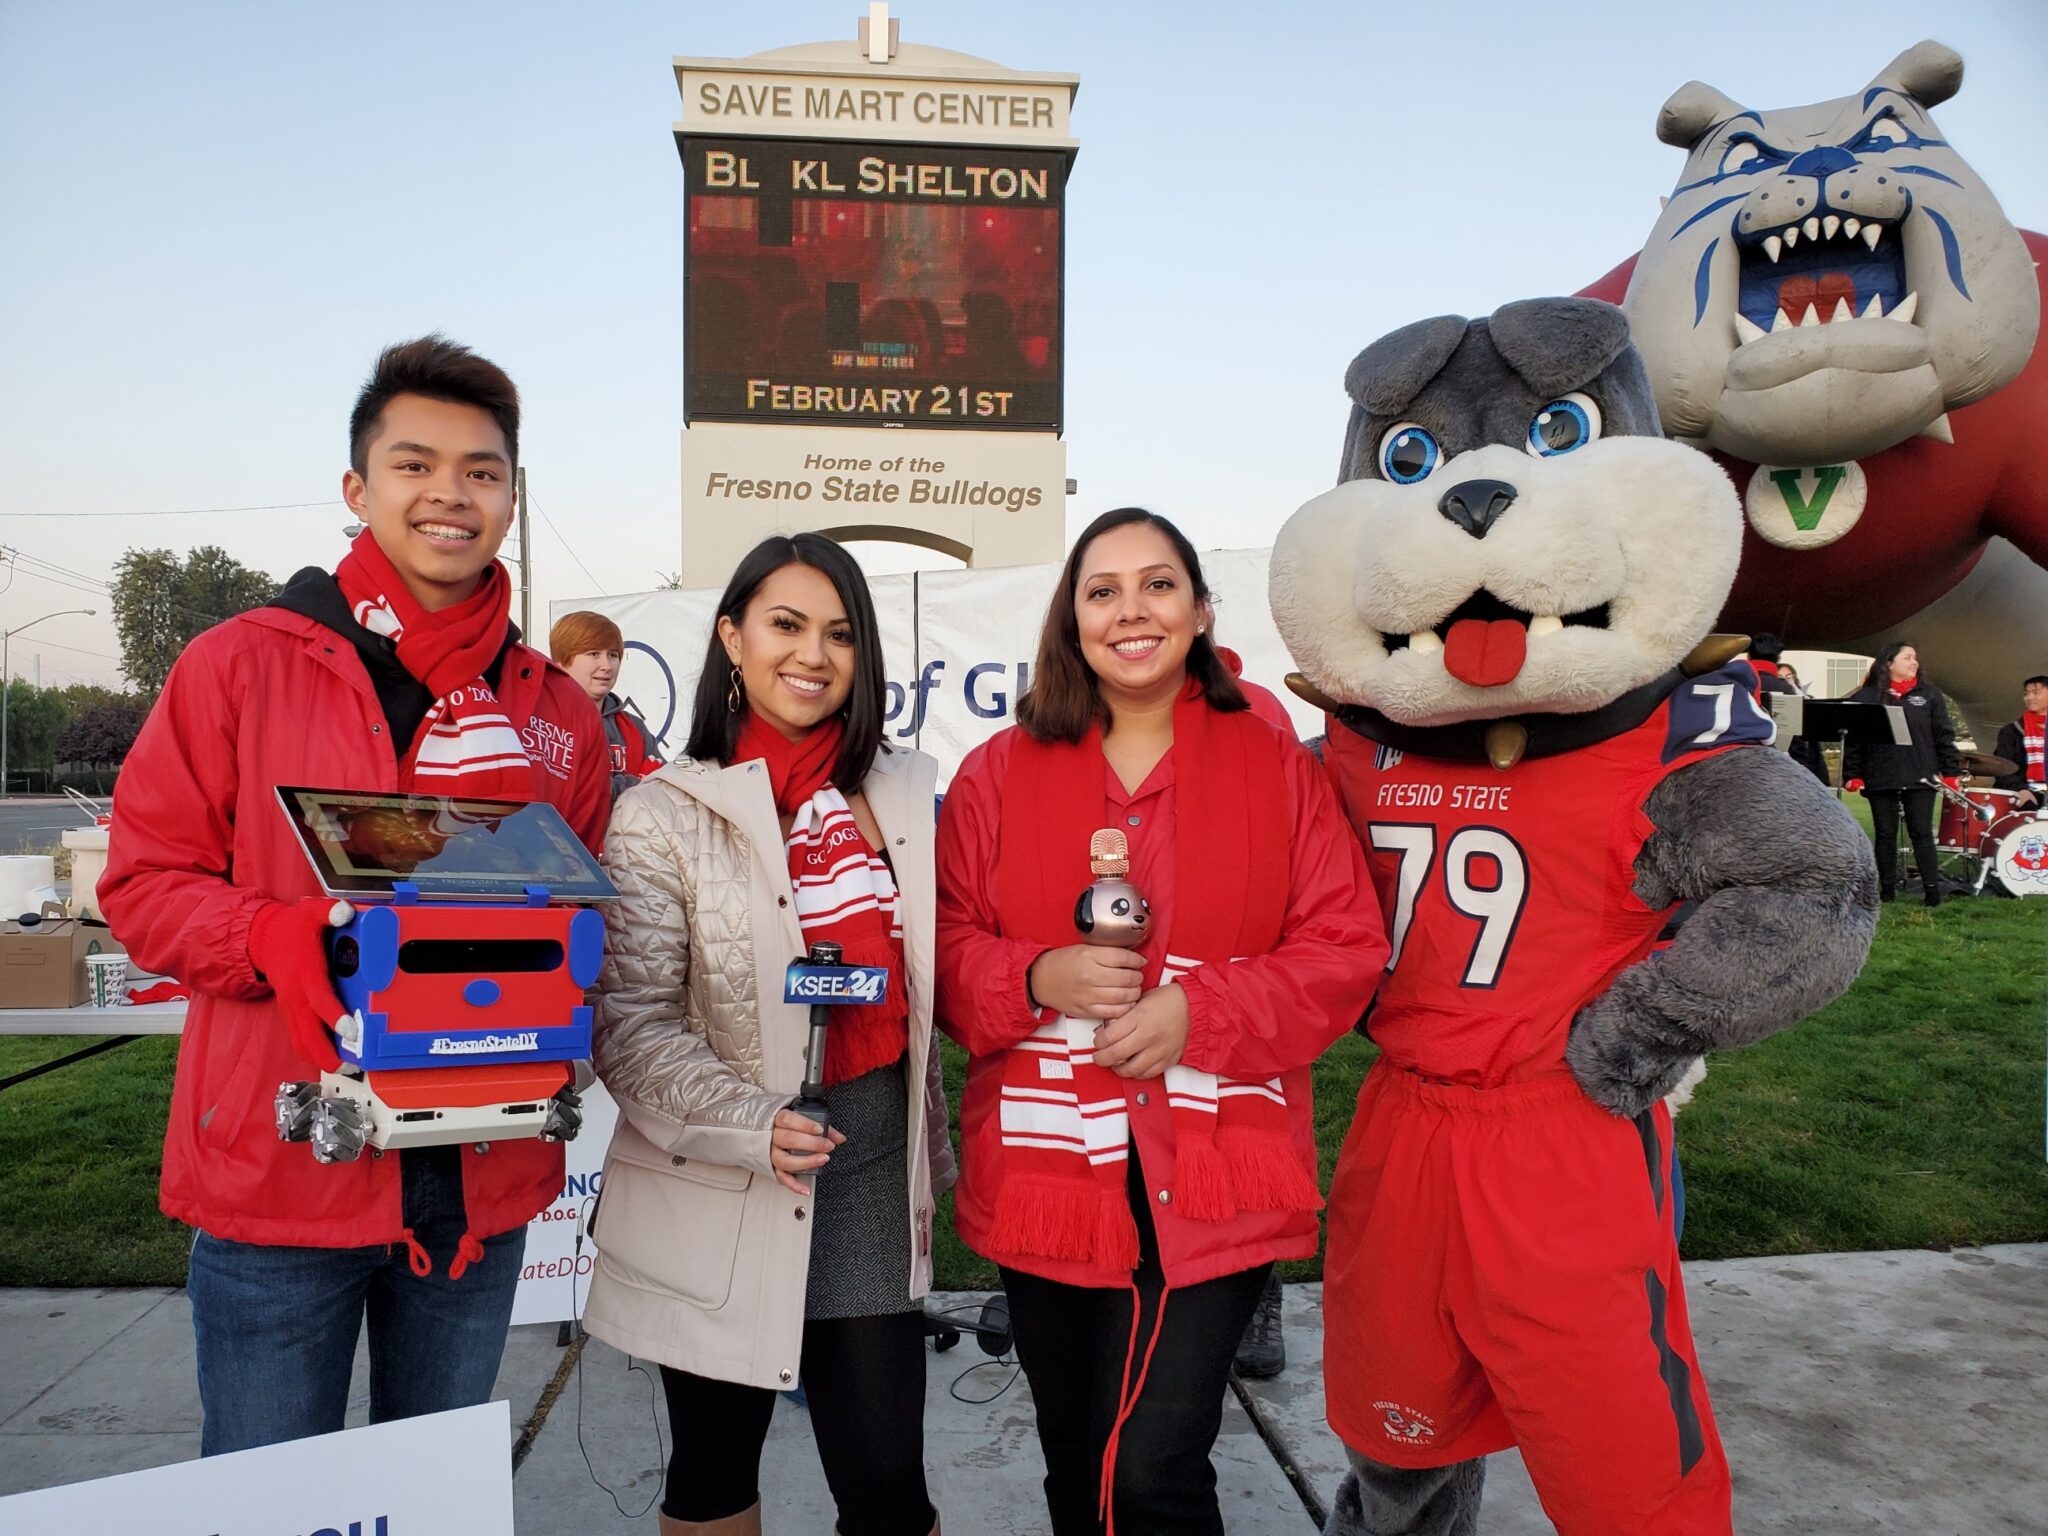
point(630, 741)
point(1266, 1016)
point(1264, 702)
point(199, 844)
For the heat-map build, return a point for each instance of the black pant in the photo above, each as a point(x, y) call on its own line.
point(864, 1380)
point(1918, 806)
point(1072, 1342)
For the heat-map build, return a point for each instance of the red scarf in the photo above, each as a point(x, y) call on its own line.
point(845, 893)
point(1763, 669)
point(1065, 1129)
point(2031, 732)
point(466, 745)
point(1902, 686)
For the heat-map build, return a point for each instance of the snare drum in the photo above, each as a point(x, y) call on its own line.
point(1976, 821)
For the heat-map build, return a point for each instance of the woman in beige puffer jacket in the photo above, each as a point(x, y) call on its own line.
point(716, 1197)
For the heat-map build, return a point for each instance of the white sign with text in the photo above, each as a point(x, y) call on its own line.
point(554, 1278)
point(441, 1472)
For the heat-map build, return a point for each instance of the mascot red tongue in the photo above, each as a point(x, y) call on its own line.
point(1486, 652)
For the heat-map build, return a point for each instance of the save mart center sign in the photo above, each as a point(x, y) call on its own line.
point(874, 274)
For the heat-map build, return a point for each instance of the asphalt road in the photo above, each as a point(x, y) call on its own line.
point(35, 825)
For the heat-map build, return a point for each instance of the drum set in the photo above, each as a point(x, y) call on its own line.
point(1985, 835)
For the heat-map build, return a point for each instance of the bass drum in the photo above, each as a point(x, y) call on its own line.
point(2022, 859)
point(1974, 820)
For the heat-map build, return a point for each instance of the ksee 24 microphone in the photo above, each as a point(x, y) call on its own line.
point(823, 981)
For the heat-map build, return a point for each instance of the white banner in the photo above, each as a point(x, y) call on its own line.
point(440, 1472)
point(957, 645)
point(554, 1279)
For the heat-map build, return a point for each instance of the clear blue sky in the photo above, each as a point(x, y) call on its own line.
point(212, 215)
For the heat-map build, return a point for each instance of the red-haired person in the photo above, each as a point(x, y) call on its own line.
point(396, 671)
point(589, 647)
point(1137, 1142)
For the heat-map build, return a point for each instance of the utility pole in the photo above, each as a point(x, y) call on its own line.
point(525, 564)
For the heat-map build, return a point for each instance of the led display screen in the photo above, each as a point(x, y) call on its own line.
point(365, 844)
point(864, 284)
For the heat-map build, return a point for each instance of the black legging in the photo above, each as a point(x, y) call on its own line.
point(864, 1380)
point(1918, 808)
point(1072, 1342)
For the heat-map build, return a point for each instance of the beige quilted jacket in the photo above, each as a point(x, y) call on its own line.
point(702, 1256)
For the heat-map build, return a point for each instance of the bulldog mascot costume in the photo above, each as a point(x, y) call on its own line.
point(1504, 607)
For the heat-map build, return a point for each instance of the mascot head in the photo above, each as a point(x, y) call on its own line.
point(1512, 534)
point(1827, 281)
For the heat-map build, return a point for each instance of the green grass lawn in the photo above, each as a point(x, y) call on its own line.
point(1907, 1114)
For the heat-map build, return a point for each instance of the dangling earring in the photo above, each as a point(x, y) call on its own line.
point(732, 693)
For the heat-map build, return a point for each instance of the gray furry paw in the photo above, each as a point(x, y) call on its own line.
point(1623, 1067)
point(1378, 1500)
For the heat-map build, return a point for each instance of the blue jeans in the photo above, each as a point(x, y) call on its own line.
point(276, 1327)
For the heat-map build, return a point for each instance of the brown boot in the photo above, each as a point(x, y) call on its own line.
point(746, 1523)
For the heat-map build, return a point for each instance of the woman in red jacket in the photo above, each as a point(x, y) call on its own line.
point(1136, 1124)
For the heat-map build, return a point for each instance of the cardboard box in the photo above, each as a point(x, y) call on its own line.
point(43, 965)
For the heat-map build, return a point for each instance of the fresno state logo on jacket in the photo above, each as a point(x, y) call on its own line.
point(550, 745)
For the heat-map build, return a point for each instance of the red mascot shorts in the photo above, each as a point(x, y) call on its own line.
point(1502, 1271)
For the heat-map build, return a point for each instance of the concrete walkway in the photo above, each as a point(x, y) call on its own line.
point(1857, 1393)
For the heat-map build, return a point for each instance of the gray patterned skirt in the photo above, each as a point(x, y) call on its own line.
point(860, 1206)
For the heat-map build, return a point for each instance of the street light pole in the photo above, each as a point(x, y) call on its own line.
point(7, 680)
point(525, 565)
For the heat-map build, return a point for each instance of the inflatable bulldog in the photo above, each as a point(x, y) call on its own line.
point(1505, 608)
point(1834, 303)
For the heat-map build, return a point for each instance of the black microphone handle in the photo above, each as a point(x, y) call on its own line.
point(810, 1100)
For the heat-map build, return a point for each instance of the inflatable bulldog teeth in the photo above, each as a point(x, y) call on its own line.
point(1505, 606)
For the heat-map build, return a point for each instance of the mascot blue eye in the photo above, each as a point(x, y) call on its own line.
point(1408, 453)
point(1563, 425)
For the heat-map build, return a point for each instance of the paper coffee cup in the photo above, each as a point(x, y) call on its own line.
point(109, 977)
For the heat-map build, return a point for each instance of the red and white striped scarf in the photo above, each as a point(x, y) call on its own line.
point(1065, 1129)
point(845, 891)
point(467, 745)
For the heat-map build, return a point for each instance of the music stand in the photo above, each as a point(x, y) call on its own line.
point(1882, 725)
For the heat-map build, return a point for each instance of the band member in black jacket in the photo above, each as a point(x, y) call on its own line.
point(2021, 742)
point(1896, 779)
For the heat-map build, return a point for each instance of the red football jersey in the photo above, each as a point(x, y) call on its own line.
point(1508, 895)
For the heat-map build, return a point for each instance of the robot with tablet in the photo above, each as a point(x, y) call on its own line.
point(464, 967)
